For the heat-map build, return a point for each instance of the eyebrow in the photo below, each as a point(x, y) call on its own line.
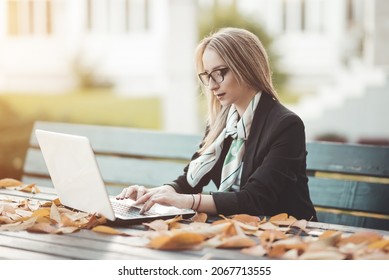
point(215, 68)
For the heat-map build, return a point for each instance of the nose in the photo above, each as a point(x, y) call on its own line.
point(212, 84)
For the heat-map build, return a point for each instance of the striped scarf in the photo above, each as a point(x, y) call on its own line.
point(239, 130)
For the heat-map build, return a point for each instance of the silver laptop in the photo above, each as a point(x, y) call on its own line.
point(76, 177)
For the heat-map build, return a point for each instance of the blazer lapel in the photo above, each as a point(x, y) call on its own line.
point(265, 105)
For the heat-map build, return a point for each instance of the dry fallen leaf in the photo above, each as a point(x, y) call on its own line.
point(177, 241)
point(108, 230)
point(157, 225)
point(9, 182)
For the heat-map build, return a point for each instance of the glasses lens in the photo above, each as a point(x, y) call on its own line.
point(217, 76)
point(204, 78)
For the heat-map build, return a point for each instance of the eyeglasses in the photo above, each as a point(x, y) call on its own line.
point(217, 76)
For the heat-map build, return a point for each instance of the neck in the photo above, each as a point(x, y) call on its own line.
point(242, 105)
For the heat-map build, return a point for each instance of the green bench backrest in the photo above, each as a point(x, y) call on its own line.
point(349, 184)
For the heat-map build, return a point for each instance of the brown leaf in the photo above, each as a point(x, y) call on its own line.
point(42, 228)
point(382, 244)
point(66, 230)
point(322, 255)
point(279, 217)
point(157, 225)
point(42, 212)
point(177, 241)
point(94, 221)
point(30, 188)
point(361, 237)
point(9, 182)
point(247, 219)
point(108, 230)
point(257, 251)
point(54, 214)
point(18, 226)
point(237, 241)
point(199, 217)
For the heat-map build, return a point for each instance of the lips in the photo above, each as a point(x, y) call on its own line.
point(220, 94)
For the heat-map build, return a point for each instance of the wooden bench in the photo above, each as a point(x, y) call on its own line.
point(349, 184)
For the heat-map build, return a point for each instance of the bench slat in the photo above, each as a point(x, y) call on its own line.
point(349, 195)
point(128, 141)
point(348, 158)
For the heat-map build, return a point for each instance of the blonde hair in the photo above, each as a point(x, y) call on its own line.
point(245, 56)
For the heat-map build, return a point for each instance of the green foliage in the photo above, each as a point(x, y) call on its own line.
point(223, 15)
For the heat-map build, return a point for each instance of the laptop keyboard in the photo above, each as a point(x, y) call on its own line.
point(126, 211)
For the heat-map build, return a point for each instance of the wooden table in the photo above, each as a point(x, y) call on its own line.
point(87, 244)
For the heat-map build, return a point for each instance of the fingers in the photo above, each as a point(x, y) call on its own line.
point(133, 192)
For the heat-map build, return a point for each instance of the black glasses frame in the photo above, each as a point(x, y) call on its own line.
point(216, 75)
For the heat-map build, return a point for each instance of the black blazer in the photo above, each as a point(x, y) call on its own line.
point(273, 177)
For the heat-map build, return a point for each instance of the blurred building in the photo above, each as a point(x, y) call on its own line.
point(334, 52)
point(135, 47)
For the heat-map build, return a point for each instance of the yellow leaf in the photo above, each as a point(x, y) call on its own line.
point(42, 212)
point(237, 241)
point(361, 237)
point(107, 230)
point(177, 241)
point(9, 182)
point(67, 230)
point(54, 214)
point(380, 244)
point(199, 217)
point(31, 188)
point(247, 219)
point(279, 217)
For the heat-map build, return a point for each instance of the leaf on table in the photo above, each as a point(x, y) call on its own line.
point(328, 238)
point(30, 188)
point(54, 214)
point(247, 219)
point(108, 230)
point(199, 217)
point(301, 224)
point(237, 241)
point(177, 241)
point(56, 201)
point(9, 182)
point(6, 208)
point(6, 220)
point(282, 220)
point(268, 226)
point(366, 237)
point(66, 230)
point(41, 212)
point(94, 221)
point(23, 213)
point(279, 248)
point(18, 226)
point(257, 251)
point(382, 244)
point(157, 225)
point(42, 228)
point(329, 254)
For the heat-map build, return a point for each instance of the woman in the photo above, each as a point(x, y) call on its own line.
point(253, 149)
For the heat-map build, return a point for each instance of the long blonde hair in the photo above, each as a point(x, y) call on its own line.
point(246, 58)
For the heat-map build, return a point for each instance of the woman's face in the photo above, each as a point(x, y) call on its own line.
point(229, 91)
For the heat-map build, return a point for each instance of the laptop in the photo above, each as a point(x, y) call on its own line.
point(75, 174)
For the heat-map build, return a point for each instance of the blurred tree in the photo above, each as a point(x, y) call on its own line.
point(227, 14)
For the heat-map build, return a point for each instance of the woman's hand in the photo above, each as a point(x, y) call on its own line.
point(142, 194)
